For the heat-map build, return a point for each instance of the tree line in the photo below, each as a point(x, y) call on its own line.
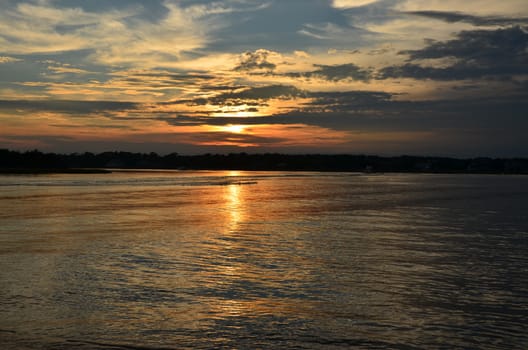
point(34, 160)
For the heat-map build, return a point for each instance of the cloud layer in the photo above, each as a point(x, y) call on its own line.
point(379, 76)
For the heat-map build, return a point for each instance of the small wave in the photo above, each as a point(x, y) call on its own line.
point(104, 345)
point(230, 183)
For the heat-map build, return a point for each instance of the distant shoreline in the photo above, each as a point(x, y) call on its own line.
point(36, 162)
point(38, 171)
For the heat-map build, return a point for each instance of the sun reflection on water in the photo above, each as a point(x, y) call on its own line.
point(235, 202)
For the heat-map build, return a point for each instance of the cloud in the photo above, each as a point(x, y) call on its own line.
point(65, 106)
point(301, 54)
point(475, 7)
point(331, 34)
point(335, 72)
point(318, 108)
point(453, 17)
point(149, 77)
point(286, 26)
point(223, 138)
point(264, 93)
point(179, 66)
point(257, 60)
point(349, 101)
point(250, 96)
point(7, 59)
point(477, 54)
point(482, 45)
point(377, 122)
point(119, 34)
point(67, 82)
point(68, 70)
point(351, 3)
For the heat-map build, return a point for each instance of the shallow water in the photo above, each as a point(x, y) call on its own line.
point(246, 260)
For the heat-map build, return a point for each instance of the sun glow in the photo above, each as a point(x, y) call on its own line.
point(234, 112)
point(236, 129)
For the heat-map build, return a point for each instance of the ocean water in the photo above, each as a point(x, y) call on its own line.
point(263, 260)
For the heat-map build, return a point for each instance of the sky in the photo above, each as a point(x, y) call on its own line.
point(387, 77)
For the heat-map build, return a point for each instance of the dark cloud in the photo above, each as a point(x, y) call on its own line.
point(453, 17)
point(336, 72)
point(179, 143)
point(208, 88)
point(337, 121)
point(43, 138)
point(329, 109)
point(477, 54)
point(483, 46)
point(348, 101)
point(199, 101)
point(223, 120)
point(257, 60)
point(251, 96)
point(341, 72)
point(379, 112)
point(163, 79)
point(185, 77)
point(229, 137)
point(219, 137)
point(264, 93)
point(415, 71)
point(102, 126)
point(66, 106)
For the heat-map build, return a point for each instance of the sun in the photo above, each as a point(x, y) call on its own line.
point(237, 129)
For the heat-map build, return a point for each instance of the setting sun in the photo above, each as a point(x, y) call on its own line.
point(237, 129)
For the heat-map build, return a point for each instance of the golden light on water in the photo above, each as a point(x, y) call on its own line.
point(235, 202)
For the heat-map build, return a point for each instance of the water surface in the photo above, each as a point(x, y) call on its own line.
point(270, 260)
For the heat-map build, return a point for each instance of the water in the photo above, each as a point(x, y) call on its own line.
point(246, 260)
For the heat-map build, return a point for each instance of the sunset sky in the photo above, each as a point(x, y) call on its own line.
point(388, 77)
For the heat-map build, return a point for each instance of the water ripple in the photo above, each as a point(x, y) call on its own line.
point(199, 260)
